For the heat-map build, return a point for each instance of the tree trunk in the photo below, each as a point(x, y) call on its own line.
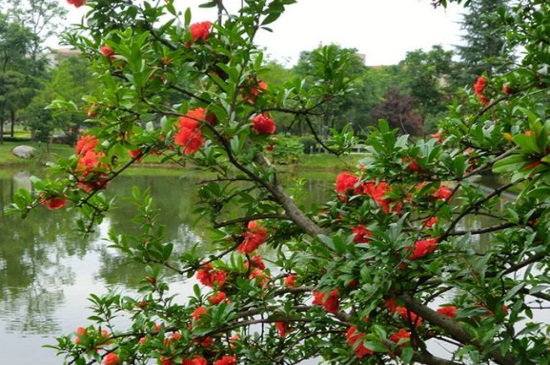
point(12, 118)
point(1, 131)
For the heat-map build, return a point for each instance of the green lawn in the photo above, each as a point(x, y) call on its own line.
point(8, 159)
point(317, 162)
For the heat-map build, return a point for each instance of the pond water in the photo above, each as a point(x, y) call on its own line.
point(47, 270)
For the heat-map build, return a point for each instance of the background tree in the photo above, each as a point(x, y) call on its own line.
point(43, 18)
point(431, 79)
point(70, 81)
point(18, 84)
point(330, 61)
point(398, 108)
point(486, 49)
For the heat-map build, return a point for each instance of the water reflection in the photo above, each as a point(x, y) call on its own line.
point(47, 269)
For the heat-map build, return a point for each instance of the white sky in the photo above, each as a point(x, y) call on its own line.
point(383, 30)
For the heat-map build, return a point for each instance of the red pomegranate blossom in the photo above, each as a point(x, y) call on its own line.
point(226, 360)
point(330, 303)
point(199, 360)
point(255, 88)
point(217, 297)
point(448, 311)
point(423, 247)
point(408, 315)
point(346, 184)
point(281, 329)
point(200, 31)
point(208, 276)
point(443, 193)
point(401, 337)
point(361, 234)
point(479, 87)
point(263, 124)
point(189, 135)
point(77, 3)
point(86, 143)
point(253, 238)
point(355, 339)
point(52, 202)
point(111, 359)
point(378, 191)
point(290, 280)
point(198, 313)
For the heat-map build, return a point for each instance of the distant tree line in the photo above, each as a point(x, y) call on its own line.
point(411, 95)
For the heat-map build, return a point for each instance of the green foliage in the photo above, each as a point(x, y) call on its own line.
point(383, 272)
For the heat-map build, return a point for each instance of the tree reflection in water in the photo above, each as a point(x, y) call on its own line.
point(47, 269)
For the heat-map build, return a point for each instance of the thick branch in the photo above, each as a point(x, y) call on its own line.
point(453, 329)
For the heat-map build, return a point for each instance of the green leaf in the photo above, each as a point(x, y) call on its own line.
point(509, 164)
point(407, 355)
point(527, 143)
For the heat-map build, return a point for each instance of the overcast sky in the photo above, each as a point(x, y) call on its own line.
point(383, 30)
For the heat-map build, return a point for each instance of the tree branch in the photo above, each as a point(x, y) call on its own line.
point(453, 329)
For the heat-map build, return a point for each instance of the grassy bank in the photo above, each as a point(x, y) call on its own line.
point(44, 154)
point(317, 162)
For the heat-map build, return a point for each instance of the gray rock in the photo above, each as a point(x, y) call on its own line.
point(24, 151)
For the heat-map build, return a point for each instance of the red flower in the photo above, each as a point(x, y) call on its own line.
point(361, 234)
point(165, 361)
point(77, 3)
point(136, 154)
point(290, 280)
point(52, 202)
point(281, 328)
point(198, 312)
point(448, 311)
point(190, 139)
point(409, 316)
point(355, 339)
point(262, 124)
point(390, 304)
point(430, 222)
point(210, 277)
point(438, 137)
point(111, 359)
point(257, 262)
point(90, 161)
point(423, 247)
point(200, 31)
point(198, 360)
point(189, 135)
point(85, 144)
point(378, 191)
point(204, 341)
point(479, 86)
point(107, 51)
point(256, 87)
point(253, 238)
point(192, 118)
point(217, 297)
point(346, 183)
point(330, 303)
point(400, 336)
point(226, 360)
point(413, 166)
point(443, 193)
point(260, 275)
